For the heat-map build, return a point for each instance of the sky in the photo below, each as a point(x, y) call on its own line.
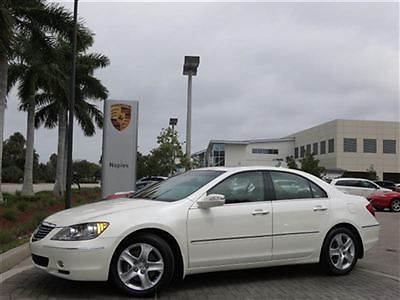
point(266, 69)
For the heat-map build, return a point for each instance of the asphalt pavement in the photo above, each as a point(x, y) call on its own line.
point(377, 276)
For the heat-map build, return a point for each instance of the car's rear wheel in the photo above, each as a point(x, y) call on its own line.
point(339, 251)
point(395, 205)
point(143, 265)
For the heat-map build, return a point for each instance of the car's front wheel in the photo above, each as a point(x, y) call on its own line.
point(395, 205)
point(339, 251)
point(142, 265)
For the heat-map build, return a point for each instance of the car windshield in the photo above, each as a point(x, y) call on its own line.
point(178, 187)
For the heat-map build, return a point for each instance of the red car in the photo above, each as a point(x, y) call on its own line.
point(382, 200)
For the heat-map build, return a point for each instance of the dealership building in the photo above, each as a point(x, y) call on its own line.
point(350, 146)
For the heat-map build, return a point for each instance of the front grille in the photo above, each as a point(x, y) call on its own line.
point(42, 231)
point(40, 260)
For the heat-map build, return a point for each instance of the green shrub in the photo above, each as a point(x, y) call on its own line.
point(10, 214)
point(22, 206)
point(6, 236)
point(38, 218)
point(30, 198)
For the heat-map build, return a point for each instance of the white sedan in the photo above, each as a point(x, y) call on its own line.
point(207, 220)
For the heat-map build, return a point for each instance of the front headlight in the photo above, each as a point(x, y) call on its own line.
point(81, 232)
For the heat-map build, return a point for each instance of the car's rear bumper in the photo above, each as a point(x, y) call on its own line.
point(370, 235)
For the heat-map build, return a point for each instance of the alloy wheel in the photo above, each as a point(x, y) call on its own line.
point(395, 205)
point(140, 266)
point(342, 251)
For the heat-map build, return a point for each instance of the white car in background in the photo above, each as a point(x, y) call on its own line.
point(207, 220)
point(357, 186)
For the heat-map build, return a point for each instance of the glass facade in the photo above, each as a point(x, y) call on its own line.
point(349, 145)
point(331, 146)
point(389, 146)
point(369, 145)
point(315, 149)
point(218, 155)
point(322, 146)
point(264, 151)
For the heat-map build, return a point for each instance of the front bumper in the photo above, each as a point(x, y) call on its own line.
point(75, 260)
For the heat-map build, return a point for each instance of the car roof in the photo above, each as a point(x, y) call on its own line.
point(350, 178)
point(245, 168)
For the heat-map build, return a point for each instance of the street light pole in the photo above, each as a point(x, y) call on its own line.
point(190, 68)
point(71, 112)
point(173, 122)
point(189, 117)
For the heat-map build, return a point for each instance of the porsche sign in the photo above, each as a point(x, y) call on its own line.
point(120, 116)
point(119, 146)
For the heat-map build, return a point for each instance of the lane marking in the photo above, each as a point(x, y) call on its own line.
point(10, 273)
point(379, 274)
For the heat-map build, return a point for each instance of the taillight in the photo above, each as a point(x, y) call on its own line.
point(371, 209)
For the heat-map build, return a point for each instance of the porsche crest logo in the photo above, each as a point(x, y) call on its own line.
point(121, 116)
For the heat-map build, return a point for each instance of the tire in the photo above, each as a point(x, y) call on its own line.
point(395, 205)
point(142, 266)
point(339, 251)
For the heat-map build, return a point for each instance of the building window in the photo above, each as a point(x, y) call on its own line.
point(369, 145)
point(302, 151)
point(331, 146)
point(296, 152)
point(389, 146)
point(308, 148)
point(264, 151)
point(218, 152)
point(349, 145)
point(322, 147)
point(315, 149)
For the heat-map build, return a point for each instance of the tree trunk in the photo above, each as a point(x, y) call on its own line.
point(27, 188)
point(59, 186)
point(64, 183)
point(3, 93)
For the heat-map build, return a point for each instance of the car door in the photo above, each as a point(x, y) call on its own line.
point(352, 187)
point(300, 208)
point(367, 188)
point(238, 232)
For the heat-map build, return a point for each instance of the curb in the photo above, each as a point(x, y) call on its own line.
point(13, 257)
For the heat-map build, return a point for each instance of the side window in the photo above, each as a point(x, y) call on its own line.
point(341, 183)
point(242, 187)
point(317, 191)
point(370, 185)
point(292, 186)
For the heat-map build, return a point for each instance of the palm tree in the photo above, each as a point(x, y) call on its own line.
point(53, 105)
point(35, 20)
point(6, 25)
point(33, 72)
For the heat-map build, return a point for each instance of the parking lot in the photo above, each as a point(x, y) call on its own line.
point(377, 276)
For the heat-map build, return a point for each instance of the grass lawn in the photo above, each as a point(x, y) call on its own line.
point(19, 215)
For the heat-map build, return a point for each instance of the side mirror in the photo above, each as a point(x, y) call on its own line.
point(211, 200)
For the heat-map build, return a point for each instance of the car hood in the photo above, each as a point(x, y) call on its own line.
point(100, 210)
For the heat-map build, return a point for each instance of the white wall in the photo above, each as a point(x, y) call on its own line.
point(357, 161)
point(241, 155)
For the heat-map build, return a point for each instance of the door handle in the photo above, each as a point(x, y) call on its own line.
point(260, 212)
point(320, 208)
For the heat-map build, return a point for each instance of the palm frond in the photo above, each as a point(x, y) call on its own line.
point(47, 115)
point(15, 71)
point(6, 29)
